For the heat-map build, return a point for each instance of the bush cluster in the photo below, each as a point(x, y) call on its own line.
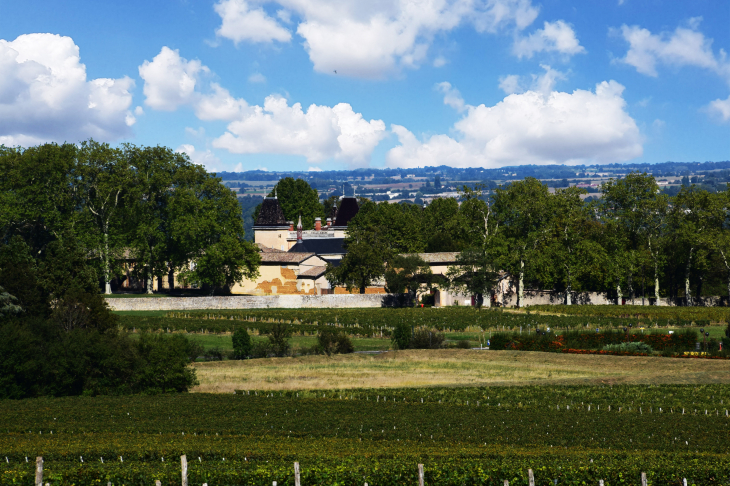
point(58, 337)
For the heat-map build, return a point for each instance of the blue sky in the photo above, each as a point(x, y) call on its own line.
point(247, 84)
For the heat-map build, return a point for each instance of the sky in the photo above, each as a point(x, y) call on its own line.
point(340, 84)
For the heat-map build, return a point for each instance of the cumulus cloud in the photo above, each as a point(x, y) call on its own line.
point(558, 37)
point(369, 39)
point(686, 46)
point(240, 22)
point(543, 83)
point(720, 108)
point(45, 95)
point(205, 158)
point(531, 128)
point(319, 133)
point(452, 97)
point(170, 80)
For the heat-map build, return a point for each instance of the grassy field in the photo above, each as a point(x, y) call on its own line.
point(424, 368)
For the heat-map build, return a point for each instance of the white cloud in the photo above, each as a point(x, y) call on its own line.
point(318, 134)
point(257, 78)
point(314, 169)
point(207, 159)
point(139, 111)
point(219, 105)
point(369, 39)
point(543, 83)
point(45, 95)
point(531, 128)
point(452, 97)
point(683, 47)
point(440, 62)
point(240, 22)
point(556, 37)
point(720, 108)
point(510, 84)
point(170, 80)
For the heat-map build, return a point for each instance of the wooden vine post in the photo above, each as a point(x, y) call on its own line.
point(420, 475)
point(506, 483)
point(531, 477)
point(643, 479)
point(184, 469)
point(297, 481)
point(38, 471)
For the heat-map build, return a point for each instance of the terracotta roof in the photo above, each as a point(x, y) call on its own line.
point(314, 272)
point(271, 213)
point(347, 210)
point(285, 257)
point(440, 257)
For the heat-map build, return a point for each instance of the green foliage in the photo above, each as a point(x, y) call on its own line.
point(361, 266)
point(483, 435)
point(426, 339)
point(406, 274)
point(150, 203)
point(66, 341)
point(241, 343)
point(296, 198)
point(8, 306)
point(401, 335)
point(279, 335)
point(632, 347)
point(332, 341)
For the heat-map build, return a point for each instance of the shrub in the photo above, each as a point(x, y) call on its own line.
point(261, 349)
point(463, 344)
point(279, 335)
point(331, 341)
point(401, 336)
point(214, 354)
point(241, 343)
point(633, 347)
point(426, 339)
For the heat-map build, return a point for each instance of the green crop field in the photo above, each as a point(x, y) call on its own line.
point(575, 435)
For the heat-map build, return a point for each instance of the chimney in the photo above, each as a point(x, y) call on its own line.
point(318, 224)
point(291, 225)
point(329, 222)
point(299, 229)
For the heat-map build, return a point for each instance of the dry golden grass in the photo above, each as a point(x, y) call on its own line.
point(420, 368)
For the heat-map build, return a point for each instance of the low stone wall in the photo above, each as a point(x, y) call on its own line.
point(248, 302)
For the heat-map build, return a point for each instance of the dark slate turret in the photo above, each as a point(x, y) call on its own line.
point(347, 210)
point(271, 213)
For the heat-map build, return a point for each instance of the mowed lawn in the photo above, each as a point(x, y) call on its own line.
point(452, 367)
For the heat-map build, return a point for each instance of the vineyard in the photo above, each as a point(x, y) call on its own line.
point(380, 322)
point(575, 435)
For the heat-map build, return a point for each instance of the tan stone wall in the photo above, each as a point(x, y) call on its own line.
point(274, 280)
point(247, 302)
point(273, 238)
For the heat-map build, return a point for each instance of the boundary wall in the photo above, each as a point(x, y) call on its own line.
point(248, 302)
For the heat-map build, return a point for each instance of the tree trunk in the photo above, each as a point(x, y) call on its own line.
point(150, 279)
point(618, 294)
point(107, 282)
point(687, 292)
point(568, 290)
point(521, 286)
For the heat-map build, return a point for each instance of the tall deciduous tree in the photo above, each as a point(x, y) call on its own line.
point(104, 177)
point(694, 214)
point(525, 218)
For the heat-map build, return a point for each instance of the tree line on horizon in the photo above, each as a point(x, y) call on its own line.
point(633, 241)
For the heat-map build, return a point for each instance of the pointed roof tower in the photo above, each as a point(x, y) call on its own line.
point(271, 213)
point(347, 210)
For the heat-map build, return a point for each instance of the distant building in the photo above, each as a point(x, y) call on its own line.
point(294, 261)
